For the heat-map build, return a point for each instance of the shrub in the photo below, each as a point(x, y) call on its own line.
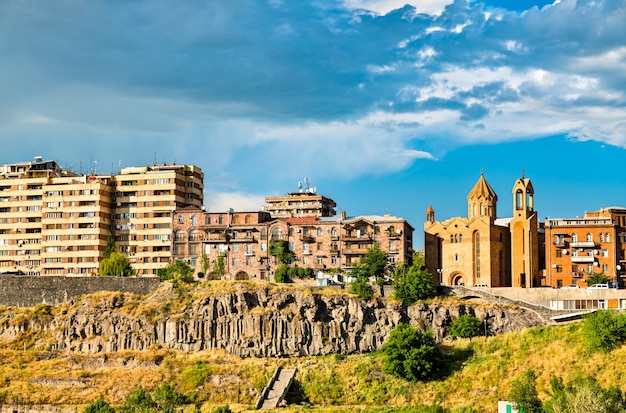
point(222, 409)
point(413, 283)
point(361, 288)
point(603, 331)
point(466, 326)
point(411, 354)
point(524, 394)
point(167, 398)
point(99, 406)
point(281, 275)
point(139, 401)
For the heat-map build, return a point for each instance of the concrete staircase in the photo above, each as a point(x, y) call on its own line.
point(276, 389)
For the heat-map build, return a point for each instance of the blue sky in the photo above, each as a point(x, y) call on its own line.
point(387, 106)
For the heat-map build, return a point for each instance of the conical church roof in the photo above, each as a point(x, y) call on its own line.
point(482, 189)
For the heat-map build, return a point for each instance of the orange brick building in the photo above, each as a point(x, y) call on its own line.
point(578, 247)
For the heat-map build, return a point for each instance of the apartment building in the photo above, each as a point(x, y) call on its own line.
point(578, 247)
point(241, 240)
point(145, 199)
point(303, 203)
point(54, 221)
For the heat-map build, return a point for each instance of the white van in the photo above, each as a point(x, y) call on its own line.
point(598, 287)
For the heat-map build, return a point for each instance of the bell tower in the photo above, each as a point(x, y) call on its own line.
point(524, 236)
point(482, 200)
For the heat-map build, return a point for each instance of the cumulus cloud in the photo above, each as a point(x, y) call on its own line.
point(268, 90)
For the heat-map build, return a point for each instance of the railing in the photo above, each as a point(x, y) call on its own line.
point(583, 258)
point(583, 244)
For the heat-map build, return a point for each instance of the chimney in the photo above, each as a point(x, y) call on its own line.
point(342, 215)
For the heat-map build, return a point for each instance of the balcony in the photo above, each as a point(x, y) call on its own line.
point(561, 244)
point(307, 238)
point(583, 244)
point(357, 238)
point(583, 259)
point(355, 251)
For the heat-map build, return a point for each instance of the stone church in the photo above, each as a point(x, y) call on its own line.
point(482, 249)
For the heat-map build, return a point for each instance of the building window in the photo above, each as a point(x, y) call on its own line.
point(248, 219)
point(263, 233)
point(607, 237)
point(305, 260)
point(235, 247)
point(559, 253)
point(574, 237)
point(477, 254)
point(460, 237)
point(263, 247)
point(194, 221)
point(333, 260)
point(220, 220)
point(320, 260)
point(559, 268)
point(234, 262)
point(601, 237)
point(180, 219)
point(589, 236)
point(319, 232)
point(333, 232)
point(248, 261)
point(605, 253)
point(605, 268)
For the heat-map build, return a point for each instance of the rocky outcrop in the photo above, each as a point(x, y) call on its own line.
point(249, 322)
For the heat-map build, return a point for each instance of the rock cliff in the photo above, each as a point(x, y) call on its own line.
point(245, 321)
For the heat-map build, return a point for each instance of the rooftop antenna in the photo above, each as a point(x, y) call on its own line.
point(522, 173)
point(299, 186)
point(154, 162)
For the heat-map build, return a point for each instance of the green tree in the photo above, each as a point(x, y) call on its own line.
point(466, 326)
point(374, 263)
point(177, 271)
point(411, 354)
point(139, 401)
point(412, 283)
point(219, 267)
point(204, 262)
point(281, 274)
point(524, 394)
point(99, 406)
point(361, 286)
point(280, 250)
point(117, 264)
point(598, 278)
point(168, 399)
point(603, 330)
point(584, 395)
point(110, 248)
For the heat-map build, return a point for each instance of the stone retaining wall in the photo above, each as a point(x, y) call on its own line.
point(24, 291)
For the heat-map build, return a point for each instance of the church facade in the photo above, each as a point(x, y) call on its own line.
point(482, 249)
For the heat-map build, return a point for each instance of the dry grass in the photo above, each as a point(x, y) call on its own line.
point(481, 369)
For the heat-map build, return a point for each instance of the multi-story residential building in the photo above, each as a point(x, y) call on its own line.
point(57, 222)
point(483, 249)
point(145, 199)
point(241, 240)
point(304, 203)
point(578, 247)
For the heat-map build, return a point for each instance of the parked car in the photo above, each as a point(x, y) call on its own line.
point(598, 287)
point(571, 286)
point(481, 286)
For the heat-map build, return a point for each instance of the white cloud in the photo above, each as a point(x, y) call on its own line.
point(223, 201)
point(433, 7)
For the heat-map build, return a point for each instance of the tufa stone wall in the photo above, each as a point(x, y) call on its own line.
point(247, 322)
point(21, 291)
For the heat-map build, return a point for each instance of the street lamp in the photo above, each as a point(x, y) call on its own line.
point(440, 272)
